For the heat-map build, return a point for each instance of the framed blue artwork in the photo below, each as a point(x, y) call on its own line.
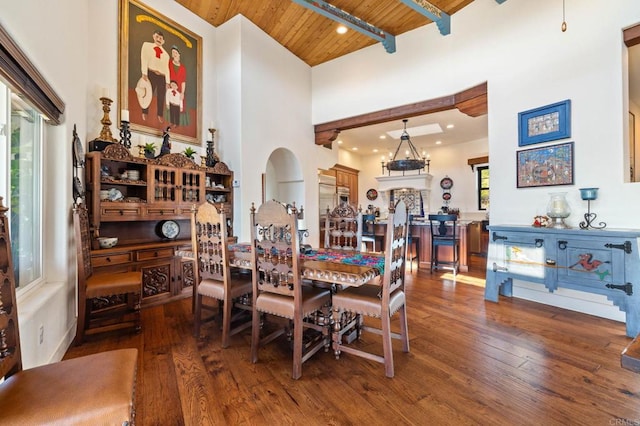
point(547, 123)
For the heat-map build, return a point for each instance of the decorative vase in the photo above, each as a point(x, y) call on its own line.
point(558, 210)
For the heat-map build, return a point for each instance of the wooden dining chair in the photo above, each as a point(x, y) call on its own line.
point(343, 228)
point(213, 274)
point(444, 234)
point(97, 389)
point(277, 285)
point(378, 301)
point(108, 300)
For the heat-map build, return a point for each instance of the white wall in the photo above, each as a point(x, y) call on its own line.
point(271, 93)
point(518, 49)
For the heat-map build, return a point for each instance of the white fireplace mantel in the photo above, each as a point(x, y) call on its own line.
point(419, 182)
point(413, 181)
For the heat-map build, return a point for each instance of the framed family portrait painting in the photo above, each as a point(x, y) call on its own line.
point(160, 73)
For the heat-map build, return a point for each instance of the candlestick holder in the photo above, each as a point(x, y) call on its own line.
point(589, 194)
point(125, 134)
point(212, 157)
point(105, 133)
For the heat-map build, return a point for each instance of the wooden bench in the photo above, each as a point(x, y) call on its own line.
point(630, 358)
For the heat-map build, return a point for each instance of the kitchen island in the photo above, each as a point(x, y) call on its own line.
point(421, 235)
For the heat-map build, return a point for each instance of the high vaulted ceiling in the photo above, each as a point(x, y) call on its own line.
point(311, 36)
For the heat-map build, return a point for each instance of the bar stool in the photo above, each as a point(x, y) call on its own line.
point(444, 233)
point(368, 232)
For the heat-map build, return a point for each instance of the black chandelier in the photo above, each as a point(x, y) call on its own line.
point(412, 160)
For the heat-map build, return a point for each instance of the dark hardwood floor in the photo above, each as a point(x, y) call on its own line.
point(471, 362)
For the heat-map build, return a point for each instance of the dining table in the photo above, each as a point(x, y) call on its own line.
point(340, 267)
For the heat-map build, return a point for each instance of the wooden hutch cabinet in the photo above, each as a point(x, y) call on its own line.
point(131, 198)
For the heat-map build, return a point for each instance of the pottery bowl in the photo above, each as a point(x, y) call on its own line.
point(107, 242)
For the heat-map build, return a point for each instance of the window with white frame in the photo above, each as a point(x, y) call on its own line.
point(21, 136)
point(26, 101)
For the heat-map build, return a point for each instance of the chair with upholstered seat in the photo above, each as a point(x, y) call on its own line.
point(343, 228)
point(96, 389)
point(378, 301)
point(107, 300)
point(278, 289)
point(444, 234)
point(213, 274)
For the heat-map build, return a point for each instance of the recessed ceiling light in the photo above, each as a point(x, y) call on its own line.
point(450, 126)
point(375, 149)
point(340, 141)
point(355, 148)
point(383, 136)
point(438, 142)
point(341, 29)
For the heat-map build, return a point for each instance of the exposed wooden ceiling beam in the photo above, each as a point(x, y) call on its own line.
point(353, 22)
point(473, 99)
point(442, 19)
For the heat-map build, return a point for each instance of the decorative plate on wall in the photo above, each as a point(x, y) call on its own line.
point(446, 183)
point(372, 194)
point(446, 196)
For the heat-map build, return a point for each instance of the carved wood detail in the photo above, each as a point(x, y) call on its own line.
point(156, 280)
point(220, 168)
point(117, 152)
point(177, 160)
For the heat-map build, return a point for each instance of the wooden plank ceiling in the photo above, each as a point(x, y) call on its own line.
point(311, 36)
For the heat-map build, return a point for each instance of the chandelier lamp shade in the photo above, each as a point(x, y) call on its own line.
point(412, 159)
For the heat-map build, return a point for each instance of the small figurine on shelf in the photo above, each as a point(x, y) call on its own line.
point(540, 221)
point(166, 143)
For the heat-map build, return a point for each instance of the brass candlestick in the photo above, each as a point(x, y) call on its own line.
point(105, 133)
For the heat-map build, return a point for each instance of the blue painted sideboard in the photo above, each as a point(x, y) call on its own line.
point(603, 262)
